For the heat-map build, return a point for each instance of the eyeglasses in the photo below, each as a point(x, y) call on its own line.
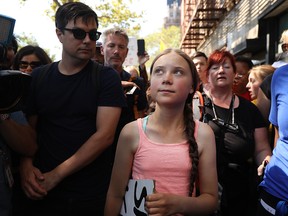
point(284, 47)
point(80, 34)
point(33, 64)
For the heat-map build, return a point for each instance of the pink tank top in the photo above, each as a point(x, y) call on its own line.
point(168, 164)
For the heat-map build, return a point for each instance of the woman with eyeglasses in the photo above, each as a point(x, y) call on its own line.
point(241, 138)
point(243, 65)
point(30, 57)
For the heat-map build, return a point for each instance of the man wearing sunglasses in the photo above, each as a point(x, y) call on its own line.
point(75, 124)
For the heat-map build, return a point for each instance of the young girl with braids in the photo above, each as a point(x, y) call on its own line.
point(168, 146)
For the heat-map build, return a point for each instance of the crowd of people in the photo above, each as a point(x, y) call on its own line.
point(90, 124)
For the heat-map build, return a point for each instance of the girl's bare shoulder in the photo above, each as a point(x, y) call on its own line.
point(129, 135)
point(205, 136)
point(130, 129)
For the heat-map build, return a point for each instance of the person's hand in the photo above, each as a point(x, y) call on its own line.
point(51, 180)
point(161, 204)
point(30, 178)
point(142, 59)
point(262, 166)
point(128, 84)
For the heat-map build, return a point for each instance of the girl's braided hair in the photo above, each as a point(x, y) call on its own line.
point(188, 116)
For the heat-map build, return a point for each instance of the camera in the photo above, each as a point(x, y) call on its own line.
point(14, 84)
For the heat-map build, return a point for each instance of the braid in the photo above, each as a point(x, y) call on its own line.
point(193, 147)
point(188, 115)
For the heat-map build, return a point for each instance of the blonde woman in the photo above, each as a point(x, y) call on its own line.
point(256, 76)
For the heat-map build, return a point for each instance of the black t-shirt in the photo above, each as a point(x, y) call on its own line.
point(238, 147)
point(66, 108)
point(235, 153)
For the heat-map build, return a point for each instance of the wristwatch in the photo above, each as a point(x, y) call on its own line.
point(4, 117)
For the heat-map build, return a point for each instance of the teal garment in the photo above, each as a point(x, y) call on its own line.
point(145, 121)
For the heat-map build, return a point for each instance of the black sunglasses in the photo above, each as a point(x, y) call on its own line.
point(33, 64)
point(80, 34)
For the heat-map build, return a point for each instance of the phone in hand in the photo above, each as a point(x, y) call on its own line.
point(141, 47)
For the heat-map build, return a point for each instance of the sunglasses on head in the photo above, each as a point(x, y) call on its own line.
point(33, 64)
point(80, 34)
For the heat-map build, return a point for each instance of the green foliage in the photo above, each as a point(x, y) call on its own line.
point(159, 41)
point(110, 13)
point(24, 40)
point(50, 12)
point(117, 13)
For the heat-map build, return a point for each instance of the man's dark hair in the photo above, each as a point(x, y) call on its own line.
point(199, 54)
point(244, 60)
point(73, 10)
